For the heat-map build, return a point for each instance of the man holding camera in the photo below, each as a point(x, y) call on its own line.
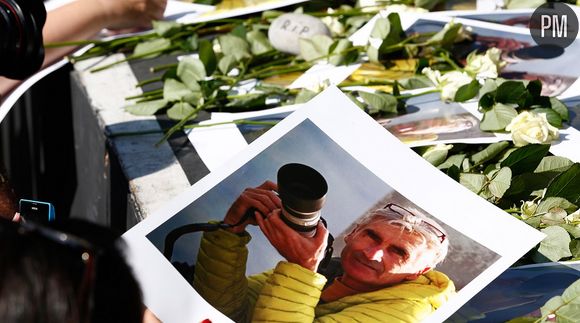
point(387, 263)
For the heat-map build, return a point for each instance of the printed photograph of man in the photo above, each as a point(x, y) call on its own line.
point(263, 256)
point(387, 267)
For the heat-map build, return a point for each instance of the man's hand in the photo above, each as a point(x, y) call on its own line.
point(296, 248)
point(262, 198)
point(122, 14)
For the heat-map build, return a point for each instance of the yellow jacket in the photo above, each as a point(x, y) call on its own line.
point(291, 293)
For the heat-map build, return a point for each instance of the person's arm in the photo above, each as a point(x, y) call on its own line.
point(220, 271)
point(292, 292)
point(83, 19)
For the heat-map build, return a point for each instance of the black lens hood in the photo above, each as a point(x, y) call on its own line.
point(301, 188)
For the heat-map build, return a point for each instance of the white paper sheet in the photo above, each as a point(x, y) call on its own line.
point(333, 135)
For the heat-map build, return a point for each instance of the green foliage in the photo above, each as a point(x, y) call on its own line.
point(501, 100)
point(526, 159)
point(556, 245)
point(467, 91)
point(181, 110)
point(566, 185)
point(379, 102)
point(152, 48)
point(146, 108)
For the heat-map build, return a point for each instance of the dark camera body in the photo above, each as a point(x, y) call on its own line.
point(21, 45)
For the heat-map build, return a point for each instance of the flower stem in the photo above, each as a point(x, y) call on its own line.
point(149, 81)
point(193, 126)
point(132, 57)
point(408, 96)
point(158, 68)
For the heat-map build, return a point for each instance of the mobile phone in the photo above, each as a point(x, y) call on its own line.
point(37, 211)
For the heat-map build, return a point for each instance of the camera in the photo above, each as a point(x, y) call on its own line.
point(302, 191)
point(21, 47)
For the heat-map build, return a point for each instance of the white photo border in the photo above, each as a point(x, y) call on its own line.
point(172, 298)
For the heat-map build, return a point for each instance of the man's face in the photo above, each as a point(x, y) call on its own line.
point(380, 254)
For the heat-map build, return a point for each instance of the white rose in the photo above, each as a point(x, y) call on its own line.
point(485, 66)
point(573, 217)
point(555, 216)
point(447, 83)
point(333, 24)
point(531, 128)
point(528, 209)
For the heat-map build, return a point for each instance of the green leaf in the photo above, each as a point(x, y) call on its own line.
point(575, 232)
point(552, 305)
point(525, 159)
point(415, 82)
point(490, 85)
point(207, 56)
point(154, 47)
point(258, 42)
point(566, 185)
point(180, 110)
point(568, 313)
point(474, 182)
point(487, 101)
point(454, 160)
point(235, 46)
point(239, 31)
point(315, 48)
point(489, 152)
point(556, 245)
point(191, 70)
point(227, 63)
point(553, 163)
point(555, 202)
point(500, 182)
point(510, 92)
point(560, 108)
point(381, 28)
point(447, 35)
point(498, 117)
point(552, 116)
point(191, 44)
point(523, 185)
point(379, 102)
point(148, 108)
point(467, 91)
point(453, 172)
point(166, 28)
point(534, 88)
point(305, 95)
point(525, 319)
point(340, 53)
point(436, 155)
point(572, 293)
point(396, 32)
point(174, 90)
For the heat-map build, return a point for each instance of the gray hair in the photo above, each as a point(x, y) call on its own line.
point(414, 222)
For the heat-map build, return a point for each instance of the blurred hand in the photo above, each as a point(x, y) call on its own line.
point(132, 13)
point(294, 247)
point(262, 198)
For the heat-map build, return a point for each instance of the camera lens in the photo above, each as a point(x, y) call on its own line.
point(21, 46)
point(303, 191)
